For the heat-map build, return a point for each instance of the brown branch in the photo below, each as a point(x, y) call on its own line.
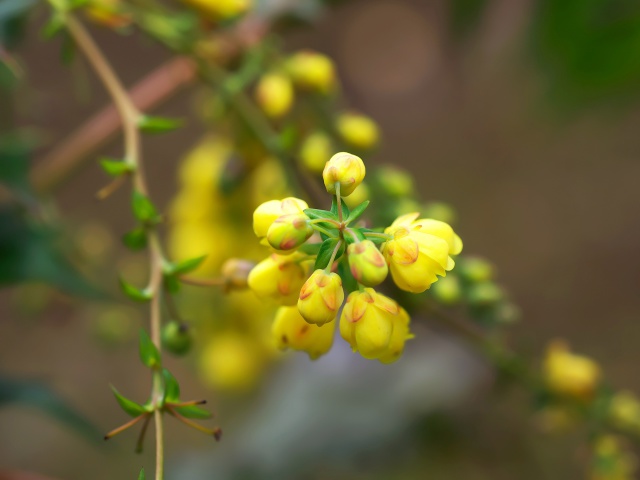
point(68, 157)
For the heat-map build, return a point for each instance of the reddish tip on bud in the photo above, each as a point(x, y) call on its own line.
point(367, 264)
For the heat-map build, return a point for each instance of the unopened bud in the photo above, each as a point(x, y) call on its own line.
point(315, 151)
point(289, 231)
point(395, 181)
point(176, 338)
point(367, 264)
point(447, 290)
point(312, 71)
point(475, 269)
point(321, 297)
point(274, 94)
point(359, 131)
point(346, 169)
point(236, 272)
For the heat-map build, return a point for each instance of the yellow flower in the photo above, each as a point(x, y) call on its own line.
point(289, 231)
point(568, 374)
point(268, 212)
point(358, 131)
point(624, 411)
point(280, 277)
point(108, 13)
point(367, 264)
point(312, 71)
point(359, 195)
point(321, 297)
point(395, 181)
point(231, 361)
point(346, 169)
point(367, 322)
point(399, 336)
point(290, 330)
point(220, 9)
point(315, 151)
point(236, 271)
point(274, 94)
point(419, 251)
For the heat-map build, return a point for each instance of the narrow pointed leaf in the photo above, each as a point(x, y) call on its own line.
point(149, 354)
point(143, 209)
point(114, 167)
point(192, 411)
point(359, 210)
point(134, 293)
point(324, 255)
point(136, 239)
point(149, 124)
point(186, 266)
point(171, 387)
point(130, 407)
point(141, 476)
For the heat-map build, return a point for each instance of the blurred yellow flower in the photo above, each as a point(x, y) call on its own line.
point(290, 330)
point(568, 374)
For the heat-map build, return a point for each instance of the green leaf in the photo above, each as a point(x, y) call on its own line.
point(114, 167)
point(185, 266)
point(136, 294)
point(171, 387)
point(30, 393)
point(310, 248)
point(149, 124)
point(334, 209)
point(141, 476)
point(172, 283)
point(356, 212)
point(130, 407)
point(53, 26)
point(349, 283)
point(143, 209)
point(326, 250)
point(314, 213)
point(148, 351)
point(136, 239)
point(193, 411)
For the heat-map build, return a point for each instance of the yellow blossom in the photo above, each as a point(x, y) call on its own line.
point(624, 411)
point(312, 71)
point(419, 251)
point(220, 9)
point(569, 374)
point(290, 330)
point(274, 94)
point(367, 322)
point(359, 195)
point(280, 277)
point(345, 169)
point(399, 336)
point(315, 151)
point(321, 297)
point(268, 212)
point(366, 263)
point(359, 131)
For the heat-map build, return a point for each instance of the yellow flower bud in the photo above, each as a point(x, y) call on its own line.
point(395, 181)
point(367, 264)
point(367, 323)
point(475, 269)
point(447, 290)
point(108, 13)
point(419, 251)
point(290, 330)
point(220, 9)
point(236, 272)
point(399, 336)
point(268, 212)
point(289, 231)
point(279, 277)
point(624, 411)
point(439, 211)
point(359, 195)
point(312, 71)
point(359, 131)
point(568, 374)
point(346, 169)
point(321, 297)
point(274, 94)
point(315, 151)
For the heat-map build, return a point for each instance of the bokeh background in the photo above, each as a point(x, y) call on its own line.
point(521, 114)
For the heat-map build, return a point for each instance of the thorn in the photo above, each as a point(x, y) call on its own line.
point(124, 427)
point(187, 404)
point(107, 190)
point(143, 431)
point(215, 432)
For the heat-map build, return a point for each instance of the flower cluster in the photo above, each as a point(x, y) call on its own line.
point(321, 256)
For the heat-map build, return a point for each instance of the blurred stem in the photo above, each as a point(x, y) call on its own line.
point(130, 117)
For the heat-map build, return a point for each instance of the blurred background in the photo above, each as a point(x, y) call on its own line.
point(523, 115)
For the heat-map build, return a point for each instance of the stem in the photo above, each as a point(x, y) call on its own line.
point(323, 230)
point(204, 282)
point(339, 201)
point(130, 117)
point(333, 256)
point(353, 234)
point(124, 427)
point(378, 235)
point(325, 220)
